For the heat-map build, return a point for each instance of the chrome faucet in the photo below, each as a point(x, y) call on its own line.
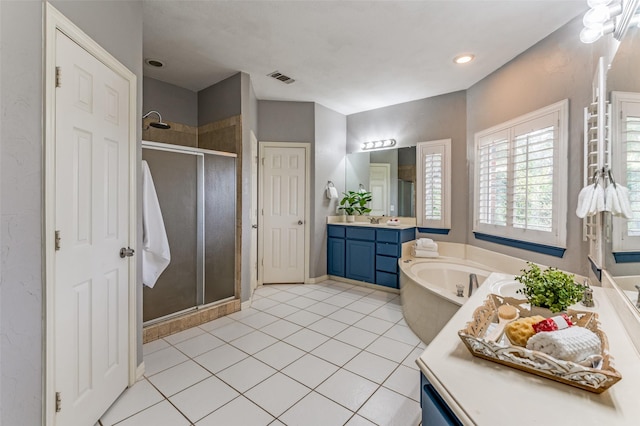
point(473, 280)
point(587, 295)
point(374, 220)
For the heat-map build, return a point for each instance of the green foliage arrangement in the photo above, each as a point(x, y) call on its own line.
point(551, 288)
point(355, 202)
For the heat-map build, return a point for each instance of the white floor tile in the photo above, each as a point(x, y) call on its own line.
point(356, 337)
point(373, 324)
point(281, 329)
point(336, 352)
point(277, 393)
point(253, 342)
point(319, 295)
point(410, 360)
point(162, 359)
point(316, 410)
point(371, 367)
point(301, 302)
point(390, 349)
point(265, 291)
point(306, 339)
point(352, 294)
point(346, 316)
point(203, 398)
point(387, 313)
point(246, 374)
point(155, 346)
point(322, 309)
point(216, 323)
point(362, 307)
point(282, 310)
point(199, 345)
point(162, 414)
point(405, 381)
point(277, 423)
point(300, 289)
point(310, 370)
point(243, 314)
point(384, 296)
point(303, 318)
point(232, 331)
point(178, 378)
point(328, 327)
point(347, 389)
point(135, 399)
point(402, 334)
point(387, 408)
point(184, 335)
point(279, 355)
point(359, 421)
point(220, 358)
point(282, 297)
point(339, 300)
point(264, 304)
point(259, 320)
point(239, 412)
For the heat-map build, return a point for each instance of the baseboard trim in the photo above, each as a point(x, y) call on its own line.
point(317, 280)
point(246, 304)
point(364, 284)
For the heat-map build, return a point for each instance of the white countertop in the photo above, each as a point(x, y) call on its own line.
point(374, 225)
point(482, 392)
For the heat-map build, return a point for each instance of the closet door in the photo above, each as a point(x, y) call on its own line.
point(220, 227)
point(175, 177)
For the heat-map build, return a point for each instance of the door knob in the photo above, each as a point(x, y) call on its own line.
point(254, 226)
point(300, 222)
point(126, 252)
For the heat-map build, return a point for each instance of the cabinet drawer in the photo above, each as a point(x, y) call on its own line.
point(388, 264)
point(388, 249)
point(335, 231)
point(435, 412)
point(387, 279)
point(367, 234)
point(388, 236)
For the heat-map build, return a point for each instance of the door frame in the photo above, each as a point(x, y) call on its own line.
point(56, 21)
point(307, 203)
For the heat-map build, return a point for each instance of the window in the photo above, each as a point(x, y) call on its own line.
point(521, 179)
point(626, 166)
point(434, 184)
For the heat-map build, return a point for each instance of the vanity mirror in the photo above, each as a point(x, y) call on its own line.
point(390, 175)
point(622, 236)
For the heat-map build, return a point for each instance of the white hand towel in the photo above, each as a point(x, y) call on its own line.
point(428, 247)
point(584, 201)
point(332, 193)
point(156, 255)
point(425, 253)
point(424, 242)
point(597, 200)
point(611, 202)
point(624, 202)
point(571, 344)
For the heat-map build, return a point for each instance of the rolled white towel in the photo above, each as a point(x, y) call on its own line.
point(570, 344)
point(423, 242)
point(425, 253)
point(428, 247)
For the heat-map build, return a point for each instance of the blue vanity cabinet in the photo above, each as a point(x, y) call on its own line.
point(336, 250)
point(360, 250)
point(388, 251)
point(435, 412)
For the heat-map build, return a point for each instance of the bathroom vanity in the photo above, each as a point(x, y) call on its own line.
point(366, 252)
point(460, 389)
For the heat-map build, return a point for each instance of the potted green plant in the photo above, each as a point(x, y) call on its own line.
point(355, 203)
point(551, 288)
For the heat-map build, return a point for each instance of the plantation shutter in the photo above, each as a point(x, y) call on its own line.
point(434, 175)
point(631, 153)
point(493, 158)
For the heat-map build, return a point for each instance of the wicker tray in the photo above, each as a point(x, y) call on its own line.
point(591, 379)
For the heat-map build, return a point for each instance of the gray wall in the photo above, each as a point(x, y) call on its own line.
point(557, 68)
point(172, 102)
point(220, 101)
point(329, 165)
point(439, 117)
point(117, 26)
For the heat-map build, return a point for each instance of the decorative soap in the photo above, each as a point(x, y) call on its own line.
point(559, 322)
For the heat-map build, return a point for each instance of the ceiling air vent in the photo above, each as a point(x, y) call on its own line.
point(283, 78)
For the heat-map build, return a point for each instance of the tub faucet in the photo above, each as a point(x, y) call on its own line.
point(587, 295)
point(374, 220)
point(473, 281)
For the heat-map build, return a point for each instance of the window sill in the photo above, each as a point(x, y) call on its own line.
point(525, 245)
point(627, 256)
point(440, 231)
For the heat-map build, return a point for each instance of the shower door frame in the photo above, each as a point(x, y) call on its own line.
point(200, 226)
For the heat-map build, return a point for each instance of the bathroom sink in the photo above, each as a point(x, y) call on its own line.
point(507, 288)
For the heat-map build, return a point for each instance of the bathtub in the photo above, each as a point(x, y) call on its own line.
point(428, 291)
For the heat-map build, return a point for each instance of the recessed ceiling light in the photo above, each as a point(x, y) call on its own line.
point(156, 63)
point(464, 58)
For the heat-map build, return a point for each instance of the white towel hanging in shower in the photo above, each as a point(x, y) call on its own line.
point(156, 255)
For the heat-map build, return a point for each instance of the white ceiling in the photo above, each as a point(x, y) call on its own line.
point(349, 56)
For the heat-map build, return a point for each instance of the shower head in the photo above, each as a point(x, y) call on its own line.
point(157, 124)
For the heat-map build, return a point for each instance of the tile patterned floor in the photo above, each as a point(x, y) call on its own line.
point(317, 354)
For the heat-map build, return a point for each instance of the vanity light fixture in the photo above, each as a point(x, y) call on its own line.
point(385, 143)
point(465, 58)
point(599, 19)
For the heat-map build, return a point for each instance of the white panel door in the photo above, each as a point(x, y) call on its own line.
point(283, 209)
point(92, 217)
point(253, 259)
point(379, 185)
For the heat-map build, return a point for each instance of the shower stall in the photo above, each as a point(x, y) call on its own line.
point(196, 190)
